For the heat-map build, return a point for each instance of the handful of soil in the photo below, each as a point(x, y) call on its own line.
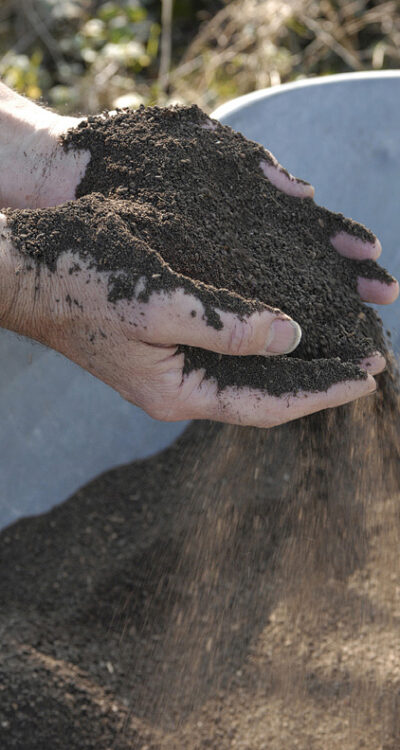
point(163, 192)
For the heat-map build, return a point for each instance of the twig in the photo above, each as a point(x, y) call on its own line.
point(329, 40)
point(166, 44)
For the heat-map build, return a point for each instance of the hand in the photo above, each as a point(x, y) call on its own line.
point(35, 170)
point(132, 346)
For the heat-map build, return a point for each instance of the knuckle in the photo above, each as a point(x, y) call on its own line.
point(241, 337)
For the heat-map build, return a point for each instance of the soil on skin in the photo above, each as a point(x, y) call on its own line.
point(240, 590)
point(169, 198)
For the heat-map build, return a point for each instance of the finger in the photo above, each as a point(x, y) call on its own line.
point(180, 318)
point(252, 408)
point(278, 175)
point(285, 181)
point(356, 248)
point(374, 364)
point(377, 292)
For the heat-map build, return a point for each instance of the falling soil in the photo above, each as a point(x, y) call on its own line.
point(171, 197)
point(241, 589)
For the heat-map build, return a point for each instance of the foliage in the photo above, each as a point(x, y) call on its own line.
point(85, 55)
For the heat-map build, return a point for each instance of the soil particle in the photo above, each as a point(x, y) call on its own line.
point(169, 198)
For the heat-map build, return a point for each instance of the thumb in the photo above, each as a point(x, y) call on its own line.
point(195, 314)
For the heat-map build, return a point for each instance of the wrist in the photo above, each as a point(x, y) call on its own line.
point(35, 170)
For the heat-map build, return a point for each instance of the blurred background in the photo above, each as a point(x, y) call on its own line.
point(81, 56)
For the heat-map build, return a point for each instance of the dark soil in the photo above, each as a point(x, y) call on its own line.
point(210, 597)
point(186, 206)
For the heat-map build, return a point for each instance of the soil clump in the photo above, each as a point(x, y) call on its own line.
point(174, 197)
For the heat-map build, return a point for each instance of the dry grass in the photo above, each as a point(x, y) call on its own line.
point(247, 45)
point(252, 44)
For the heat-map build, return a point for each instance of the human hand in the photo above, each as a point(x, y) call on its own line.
point(133, 345)
point(35, 170)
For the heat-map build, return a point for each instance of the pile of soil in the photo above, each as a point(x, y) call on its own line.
point(185, 205)
point(220, 595)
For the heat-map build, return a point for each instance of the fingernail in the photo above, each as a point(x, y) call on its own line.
point(284, 336)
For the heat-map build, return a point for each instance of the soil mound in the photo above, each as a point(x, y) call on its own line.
point(239, 589)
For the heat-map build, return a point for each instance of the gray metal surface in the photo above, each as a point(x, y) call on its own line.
point(60, 427)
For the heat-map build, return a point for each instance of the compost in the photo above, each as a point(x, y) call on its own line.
point(170, 196)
